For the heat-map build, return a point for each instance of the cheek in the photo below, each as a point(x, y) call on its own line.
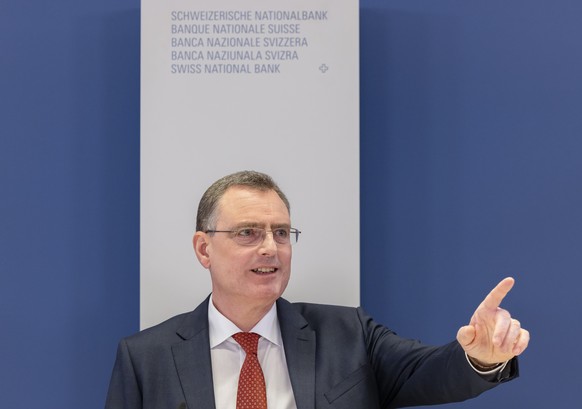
point(285, 255)
point(221, 254)
point(231, 265)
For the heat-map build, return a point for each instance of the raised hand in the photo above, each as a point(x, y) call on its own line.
point(492, 336)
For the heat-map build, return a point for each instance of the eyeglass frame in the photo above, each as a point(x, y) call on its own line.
point(290, 230)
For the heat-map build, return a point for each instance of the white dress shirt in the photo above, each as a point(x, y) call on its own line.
point(227, 358)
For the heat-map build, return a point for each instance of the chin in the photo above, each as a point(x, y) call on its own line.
point(270, 295)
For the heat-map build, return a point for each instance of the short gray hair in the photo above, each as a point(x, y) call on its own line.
point(206, 216)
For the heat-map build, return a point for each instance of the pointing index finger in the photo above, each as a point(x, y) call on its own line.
point(494, 298)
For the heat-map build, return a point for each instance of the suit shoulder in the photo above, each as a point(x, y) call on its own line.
point(179, 327)
point(324, 315)
point(327, 309)
point(163, 332)
point(339, 318)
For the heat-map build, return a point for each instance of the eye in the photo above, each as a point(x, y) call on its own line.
point(281, 233)
point(246, 232)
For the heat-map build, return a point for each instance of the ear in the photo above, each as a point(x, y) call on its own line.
point(201, 243)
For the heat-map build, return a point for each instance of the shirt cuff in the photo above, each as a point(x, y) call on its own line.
point(500, 367)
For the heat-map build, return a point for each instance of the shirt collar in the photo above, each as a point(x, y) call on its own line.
point(222, 329)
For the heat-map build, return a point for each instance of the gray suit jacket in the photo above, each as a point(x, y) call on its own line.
point(337, 357)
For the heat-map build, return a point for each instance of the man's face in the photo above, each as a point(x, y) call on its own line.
point(249, 276)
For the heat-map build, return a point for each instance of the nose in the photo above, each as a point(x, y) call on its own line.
point(268, 246)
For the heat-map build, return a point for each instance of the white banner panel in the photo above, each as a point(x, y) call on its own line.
point(266, 85)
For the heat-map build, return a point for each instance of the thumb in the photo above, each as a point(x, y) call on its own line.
point(466, 335)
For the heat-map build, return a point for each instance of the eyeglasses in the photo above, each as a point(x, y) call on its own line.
point(252, 236)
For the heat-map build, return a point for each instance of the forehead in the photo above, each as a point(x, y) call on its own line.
point(240, 203)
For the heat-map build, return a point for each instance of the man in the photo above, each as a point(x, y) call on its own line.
point(312, 356)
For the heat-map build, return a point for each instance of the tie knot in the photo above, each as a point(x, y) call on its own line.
point(248, 341)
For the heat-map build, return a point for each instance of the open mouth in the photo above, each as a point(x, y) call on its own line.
point(264, 270)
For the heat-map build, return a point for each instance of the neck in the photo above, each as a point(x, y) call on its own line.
point(243, 315)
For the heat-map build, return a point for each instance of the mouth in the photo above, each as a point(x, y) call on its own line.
point(264, 270)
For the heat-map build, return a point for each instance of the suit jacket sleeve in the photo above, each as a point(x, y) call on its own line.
point(358, 363)
point(409, 373)
point(124, 391)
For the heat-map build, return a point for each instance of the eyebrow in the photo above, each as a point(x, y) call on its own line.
point(262, 225)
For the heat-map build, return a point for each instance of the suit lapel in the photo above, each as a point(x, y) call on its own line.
point(299, 343)
point(192, 359)
point(193, 353)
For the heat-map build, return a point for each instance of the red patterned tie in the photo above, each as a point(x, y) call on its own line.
point(252, 393)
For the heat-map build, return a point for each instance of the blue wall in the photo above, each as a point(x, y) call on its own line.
point(471, 165)
point(69, 204)
point(470, 171)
